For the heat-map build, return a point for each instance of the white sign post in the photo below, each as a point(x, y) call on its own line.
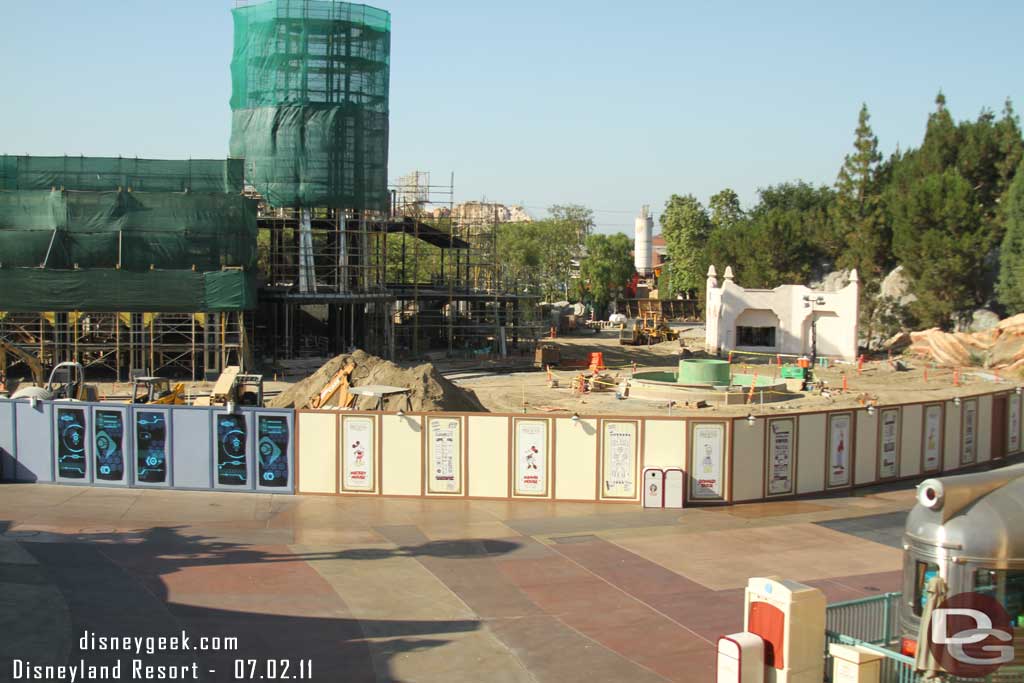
point(888, 443)
point(932, 441)
point(706, 462)
point(444, 464)
point(840, 450)
point(357, 449)
point(781, 445)
point(619, 459)
point(531, 458)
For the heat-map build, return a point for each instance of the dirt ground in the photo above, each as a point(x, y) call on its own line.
point(505, 391)
point(878, 382)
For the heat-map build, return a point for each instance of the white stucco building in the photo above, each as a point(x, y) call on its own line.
point(779, 320)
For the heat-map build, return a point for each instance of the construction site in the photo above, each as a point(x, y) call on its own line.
point(295, 254)
point(294, 247)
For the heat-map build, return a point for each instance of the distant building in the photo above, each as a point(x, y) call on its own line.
point(779, 320)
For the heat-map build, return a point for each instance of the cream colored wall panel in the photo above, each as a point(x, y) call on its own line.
point(866, 462)
point(575, 459)
point(317, 453)
point(985, 428)
point(811, 447)
point(951, 461)
point(401, 462)
point(748, 460)
point(910, 441)
point(665, 443)
point(488, 456)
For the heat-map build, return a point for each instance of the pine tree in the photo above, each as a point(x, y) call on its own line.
point(865, 238)
point(1011, 256)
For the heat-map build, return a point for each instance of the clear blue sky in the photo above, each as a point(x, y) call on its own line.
point(610, 105)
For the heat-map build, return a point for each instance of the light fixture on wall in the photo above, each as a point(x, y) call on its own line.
point(1019, 390)
point(871, 409)
point(400, 413)
point(576, 417)
point(956, 401)
point(751, 420)
point(231, 407)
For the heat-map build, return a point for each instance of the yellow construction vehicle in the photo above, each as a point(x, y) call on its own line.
point(233, 386)
point(157, 391)
point(651, 328)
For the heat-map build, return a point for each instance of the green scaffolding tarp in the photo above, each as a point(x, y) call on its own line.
point(310, 82)
point(166, 291)
point(112, 173)
point(139, 230)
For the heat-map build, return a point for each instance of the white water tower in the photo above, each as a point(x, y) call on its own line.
point(643, 249)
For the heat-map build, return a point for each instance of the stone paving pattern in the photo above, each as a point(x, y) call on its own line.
point(375, 589)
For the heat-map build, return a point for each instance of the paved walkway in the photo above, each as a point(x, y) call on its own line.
point(411, 590)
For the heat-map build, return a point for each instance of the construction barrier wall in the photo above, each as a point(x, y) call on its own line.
point(511, 456)
point(143, 446)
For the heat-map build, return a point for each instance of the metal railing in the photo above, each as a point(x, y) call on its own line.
point(872, 620)
point(872, 624)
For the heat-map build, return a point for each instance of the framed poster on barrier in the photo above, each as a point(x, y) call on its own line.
point(1013, 423)
point(231, 450)
point(530, 457)
point(273, 451)
point(840, 449)
point(969, 432)
point(109, 428)
point(932, 431)
point(781, 456)
point(444, 455)
point(619, 448)
point(71, 444)
point(888, 442)
point(152, 447)
point(358, 446)
point(707, 461)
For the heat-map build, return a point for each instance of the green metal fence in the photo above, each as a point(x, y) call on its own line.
point(872, 620)
point(871, 623)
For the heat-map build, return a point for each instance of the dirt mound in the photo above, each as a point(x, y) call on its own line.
point(430, 391)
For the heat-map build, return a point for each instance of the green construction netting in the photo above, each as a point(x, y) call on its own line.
point(139, 230)
point(309, 99)
point(165, 291)
point(111, 173)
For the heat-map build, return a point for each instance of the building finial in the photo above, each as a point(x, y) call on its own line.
point(728, 273)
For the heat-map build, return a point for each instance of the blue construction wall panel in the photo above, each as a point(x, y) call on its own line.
point(7, 441)
point(34, 441)
point(191, 431)
point(274, 434)
point(117, 444)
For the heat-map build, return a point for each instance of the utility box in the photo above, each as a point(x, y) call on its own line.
point(790, 617)
point(854, 664)
point(654, 488)
point(740, 658)
point(674, 487)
